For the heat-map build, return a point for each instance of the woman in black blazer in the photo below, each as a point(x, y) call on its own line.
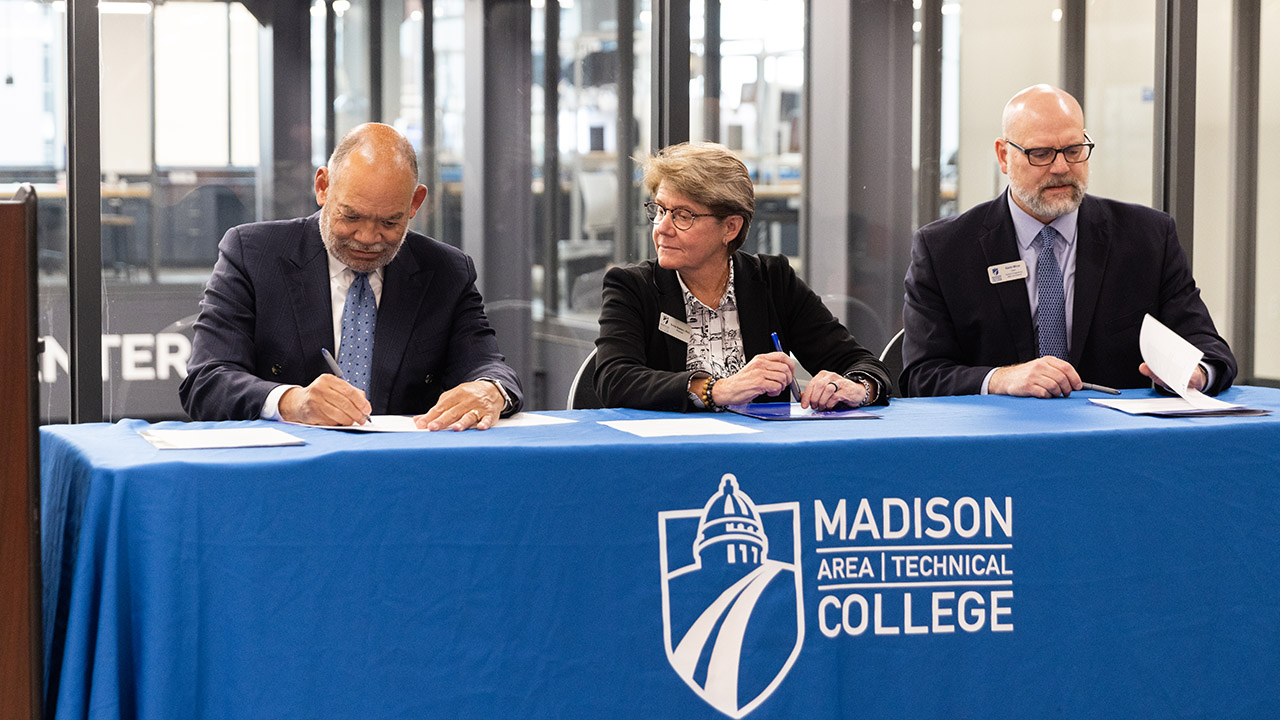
point(692, 329)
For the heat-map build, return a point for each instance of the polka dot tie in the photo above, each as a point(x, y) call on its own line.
point(355, 355)
point(1051, 302)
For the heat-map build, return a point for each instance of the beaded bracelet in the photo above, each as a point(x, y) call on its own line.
point(706, 394)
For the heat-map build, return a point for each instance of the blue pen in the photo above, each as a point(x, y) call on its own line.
point(795, 388)
point(337, 371)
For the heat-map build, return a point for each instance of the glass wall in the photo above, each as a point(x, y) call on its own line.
point(1119, 98)
point(190, 148)
point(990, 35)
point(33, 92)
point(759, 110)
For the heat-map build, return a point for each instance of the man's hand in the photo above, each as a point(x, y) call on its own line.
point(767, 374)
point(1198, 379)
point(1044, 377)
point(828, 389)
point(475, 404)
point(328, 400)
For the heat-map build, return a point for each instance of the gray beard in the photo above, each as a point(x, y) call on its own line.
point(1038, 206)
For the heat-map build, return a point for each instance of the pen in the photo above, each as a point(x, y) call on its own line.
point(337, 371)
point(795, 389)
point(1099, 388)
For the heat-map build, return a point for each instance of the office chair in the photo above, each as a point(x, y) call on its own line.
point(582, 392)
point(891, 356)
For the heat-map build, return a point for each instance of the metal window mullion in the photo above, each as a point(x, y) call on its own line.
point(1242, 216)
point(670, 96)
point(427, 170)
point(375, 60)
point(626, 132)
point(330, 79)
point(1072, 70)
point(1175, 116)
point(551, 158)
point(711, 72)
point(929, 181)
point(84, 211)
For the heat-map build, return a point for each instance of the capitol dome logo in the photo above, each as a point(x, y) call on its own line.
point(732, 603)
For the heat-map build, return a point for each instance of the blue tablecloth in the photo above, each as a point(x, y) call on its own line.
point(982, 557)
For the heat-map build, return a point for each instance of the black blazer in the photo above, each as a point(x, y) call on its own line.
point(1128, 263)
point(267, 312)
point(638, 366)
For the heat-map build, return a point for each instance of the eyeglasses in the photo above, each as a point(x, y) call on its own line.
point(681, 218)
point(1041, 156)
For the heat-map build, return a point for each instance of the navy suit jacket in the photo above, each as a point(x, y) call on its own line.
point(638, 366)
point(267, 312)
point(1128, 263)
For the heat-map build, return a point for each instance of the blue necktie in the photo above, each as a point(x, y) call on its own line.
point(1051, 302)
point(355, 355)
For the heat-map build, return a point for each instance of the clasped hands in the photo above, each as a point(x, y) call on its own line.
point(330, 400)
point(1048, 377)
point(772, 373)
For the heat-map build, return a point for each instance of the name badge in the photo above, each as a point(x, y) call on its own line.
point(675, 328)
point(1006, 272)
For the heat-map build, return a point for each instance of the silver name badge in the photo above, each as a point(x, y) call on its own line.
point(1006, 272)
point(675, 328)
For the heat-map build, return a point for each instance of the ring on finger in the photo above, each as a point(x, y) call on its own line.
point(834, 386)
point(476, 413)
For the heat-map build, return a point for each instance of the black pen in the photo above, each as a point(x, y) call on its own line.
point(795, 388)
point(1099, 388)
point(337, 371)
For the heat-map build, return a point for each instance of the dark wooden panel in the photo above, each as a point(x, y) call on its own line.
point(20, 641)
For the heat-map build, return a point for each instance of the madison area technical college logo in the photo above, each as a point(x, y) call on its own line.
point(732, 608)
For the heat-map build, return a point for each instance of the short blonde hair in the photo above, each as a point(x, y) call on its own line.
point(710, 174)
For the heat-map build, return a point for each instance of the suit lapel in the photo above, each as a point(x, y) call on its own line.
point(1093, 238)
point(404, 286)
point(1000, 246)
point(671, 302)
point(305, 276)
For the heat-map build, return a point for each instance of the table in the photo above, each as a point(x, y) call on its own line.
point(959, 557)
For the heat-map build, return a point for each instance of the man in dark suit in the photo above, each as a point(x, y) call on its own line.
point(988, 310)
point(282, 291)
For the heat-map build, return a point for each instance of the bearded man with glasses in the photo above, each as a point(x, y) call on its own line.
point(1045, 287)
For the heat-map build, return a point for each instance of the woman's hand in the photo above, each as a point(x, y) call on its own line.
point(767, 374)
point(827, 389)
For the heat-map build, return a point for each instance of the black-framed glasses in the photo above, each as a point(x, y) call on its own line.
point(681, 218)
point(1041, 156)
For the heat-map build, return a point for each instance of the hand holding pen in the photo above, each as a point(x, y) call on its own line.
point(337, 372)
point(795, 387)
point(765, 374)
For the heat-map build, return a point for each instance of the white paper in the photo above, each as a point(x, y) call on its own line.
point(678, 427)
point(195, 439)
point(1170, 357)
point(1165, 406)
point(1174, 361)
point(404, 423)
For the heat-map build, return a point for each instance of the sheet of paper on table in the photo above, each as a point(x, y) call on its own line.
point(678, 427)
point(404, 423)
point(794, 411)
point(208, 438)
point(1173, 360)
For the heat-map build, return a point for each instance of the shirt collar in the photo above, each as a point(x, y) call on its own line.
point(337, 269)
point(728, 295)
point(1028, 227)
